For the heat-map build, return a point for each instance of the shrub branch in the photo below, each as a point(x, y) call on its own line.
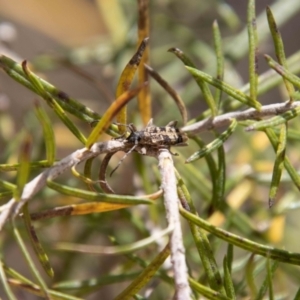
point(249, 114)
point(171, 202)
point(13, 207)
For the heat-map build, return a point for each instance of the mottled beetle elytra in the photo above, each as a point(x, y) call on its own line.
point(157, 137)
point(160, 137)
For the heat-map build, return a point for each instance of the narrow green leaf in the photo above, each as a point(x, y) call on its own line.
point(62, 115)
point(14, 274)
point(24, 168)
point(202, 243)
point(206, 292)
point(182, 192)
point(219, 191)
point(84, 287)
point(220, 59)
point(229, 256)
point(266, 81)
point(231, 91)
point(297, 296)
point(33, 165)
point(229, 15)
point(35, 80)
point(282, 71)
point(256, 248)
point(237, 218)
point(5, 284)
point(29, 261)
point(238, 46)
point(215, 144)
point(270, 272)
point(15, 70)
point(184, 58)
point(114, 250)
point(7, 185)
point(275, 121)
point(39, 88)
point(88, 172)
point(146, 275)
point(269, 278)
point(33, 288)
point(208, 157)
point(37, 246)
point(214, 172)
point(279, 49)
point(207, 96)
point(143, 173)
point(278, 165)
point(229, 288)
point(192, 175)
point(133, 257)
point(47, 133)
point(5, 195)
point(201, 83)
point(287, 164)
point(81, 177)
point(253, 50)
point(250, 277)
point(93, 196)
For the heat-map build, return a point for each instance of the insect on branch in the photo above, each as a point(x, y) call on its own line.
point(153, 137)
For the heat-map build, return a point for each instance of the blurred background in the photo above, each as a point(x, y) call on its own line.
point(71, 40)
point(82, 46)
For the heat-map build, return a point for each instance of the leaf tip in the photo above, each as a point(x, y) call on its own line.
point(271, 202)
point(174, 50)
point(25, 67)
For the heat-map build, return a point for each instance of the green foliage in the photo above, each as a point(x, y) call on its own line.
point(236, 192)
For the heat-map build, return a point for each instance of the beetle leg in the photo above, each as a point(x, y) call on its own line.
point(150, 123)
point(172, 124)
point(119, 163)
point(173, 153)
point(132, 128)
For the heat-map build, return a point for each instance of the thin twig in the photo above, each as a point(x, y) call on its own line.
point(102, 174)
point(249, 114)
point(13, 207)
point(171, 202)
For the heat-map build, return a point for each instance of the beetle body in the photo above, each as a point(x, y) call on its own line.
point(153, 136)
point(166, 136)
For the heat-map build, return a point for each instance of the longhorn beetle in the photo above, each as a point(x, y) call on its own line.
point(158, 137)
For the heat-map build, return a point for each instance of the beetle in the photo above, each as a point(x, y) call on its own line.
point(157, 137)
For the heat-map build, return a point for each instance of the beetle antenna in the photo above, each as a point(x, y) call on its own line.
point(119, 163)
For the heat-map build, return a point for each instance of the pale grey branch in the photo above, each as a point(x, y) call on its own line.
point(13, 207)
point(249, 114)
point(171, 202)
